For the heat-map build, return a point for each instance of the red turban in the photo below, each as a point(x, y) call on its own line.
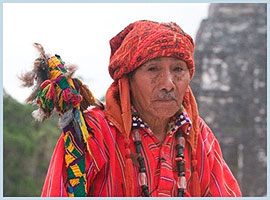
point(138, 43)
point(142, 41)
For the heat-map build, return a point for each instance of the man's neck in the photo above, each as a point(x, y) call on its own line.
point(158, 126)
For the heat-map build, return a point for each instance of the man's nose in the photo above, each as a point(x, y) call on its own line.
point(166, 81)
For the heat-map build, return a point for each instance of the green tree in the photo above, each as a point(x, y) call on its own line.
point(28, 146)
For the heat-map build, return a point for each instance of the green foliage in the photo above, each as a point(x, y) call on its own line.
point(28, 146)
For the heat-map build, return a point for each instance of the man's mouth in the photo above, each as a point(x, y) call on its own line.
point(166, 99)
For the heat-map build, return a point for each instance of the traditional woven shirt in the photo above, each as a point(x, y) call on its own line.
point(105, 163)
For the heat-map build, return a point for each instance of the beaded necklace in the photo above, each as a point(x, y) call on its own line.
point(180, 145)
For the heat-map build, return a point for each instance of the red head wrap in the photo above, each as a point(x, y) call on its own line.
point(138, 43)
point(142, 41)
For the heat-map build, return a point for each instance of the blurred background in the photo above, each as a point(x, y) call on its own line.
point(229, 83)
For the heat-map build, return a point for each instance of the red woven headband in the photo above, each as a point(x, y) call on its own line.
point(144, 40)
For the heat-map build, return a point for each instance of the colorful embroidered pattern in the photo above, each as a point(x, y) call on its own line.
point(60, 92)
point(140, 42)
point(75, 161)
point(175, 122)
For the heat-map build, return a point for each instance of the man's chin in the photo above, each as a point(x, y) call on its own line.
point(165, 111)
point(166, 106)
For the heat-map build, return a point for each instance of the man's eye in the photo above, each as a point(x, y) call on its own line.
point(178, 69)
point(152, 69)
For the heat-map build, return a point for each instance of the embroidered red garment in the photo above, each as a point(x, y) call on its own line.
point(105, 170)
point(138, 43)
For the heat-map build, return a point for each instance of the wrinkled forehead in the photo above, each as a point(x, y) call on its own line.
point(164, 59)
point(158, 59)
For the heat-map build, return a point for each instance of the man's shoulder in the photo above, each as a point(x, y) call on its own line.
point(95, 112)
point(205, 131)
point(97, 120)
point(95, 115)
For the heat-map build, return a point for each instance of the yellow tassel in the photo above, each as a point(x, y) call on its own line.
point(54, 74)
point(69, 80)
point(53, 62)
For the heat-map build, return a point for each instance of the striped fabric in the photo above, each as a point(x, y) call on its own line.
point(105, 169)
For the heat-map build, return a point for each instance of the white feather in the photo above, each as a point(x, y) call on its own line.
point(39, 115)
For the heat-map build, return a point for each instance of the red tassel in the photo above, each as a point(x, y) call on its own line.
point(129, 173)
point(71, 98)
point(196, 189)
point(44, 84)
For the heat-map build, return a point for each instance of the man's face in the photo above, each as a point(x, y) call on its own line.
point(159, 85)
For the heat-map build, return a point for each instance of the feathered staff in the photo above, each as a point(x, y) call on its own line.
point(56, 89)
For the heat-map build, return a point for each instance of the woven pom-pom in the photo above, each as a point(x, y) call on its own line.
point(39, 115)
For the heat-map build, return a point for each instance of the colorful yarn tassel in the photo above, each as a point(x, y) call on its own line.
point(69, 97)
point(45, 96)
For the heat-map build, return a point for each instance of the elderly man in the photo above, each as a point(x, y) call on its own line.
point(149, 139)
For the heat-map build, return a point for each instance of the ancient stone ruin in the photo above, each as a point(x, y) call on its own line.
point(230, 87)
